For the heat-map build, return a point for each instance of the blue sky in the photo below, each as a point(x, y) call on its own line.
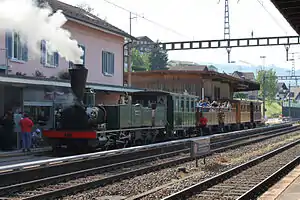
point(199, 20)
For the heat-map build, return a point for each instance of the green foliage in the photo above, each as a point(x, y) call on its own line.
point(274, 109)
point(140, 62)
point(240, 95)
point(158, 58)
point(269, 85)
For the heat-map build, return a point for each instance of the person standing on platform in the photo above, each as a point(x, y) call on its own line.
point(17, 118)
point(26, 128)
point(7, 123)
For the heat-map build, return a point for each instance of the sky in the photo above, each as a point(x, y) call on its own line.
point(177, 20)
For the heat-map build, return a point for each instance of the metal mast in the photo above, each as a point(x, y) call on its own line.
point(227, 27)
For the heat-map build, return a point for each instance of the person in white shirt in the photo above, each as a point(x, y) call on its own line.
point(17, 118)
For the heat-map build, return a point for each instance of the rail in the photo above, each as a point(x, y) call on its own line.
point(39, 185)
point(204, 185)
point(70, 159)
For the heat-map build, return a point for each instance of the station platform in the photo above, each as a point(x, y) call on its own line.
point(288, 188)
point(14, 153)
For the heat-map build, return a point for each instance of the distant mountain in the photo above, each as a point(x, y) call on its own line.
point(230, 68)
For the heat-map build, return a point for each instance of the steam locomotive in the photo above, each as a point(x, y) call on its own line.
point(151, 116)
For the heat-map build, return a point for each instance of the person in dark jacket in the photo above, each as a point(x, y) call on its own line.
point(7, 131)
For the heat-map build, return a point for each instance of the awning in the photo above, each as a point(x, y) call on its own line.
point(290, 11)
point(25, 81)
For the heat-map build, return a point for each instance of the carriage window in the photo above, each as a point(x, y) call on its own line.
point(187, 104)
point(193, 104)
point(182, 104)
point(177, 104)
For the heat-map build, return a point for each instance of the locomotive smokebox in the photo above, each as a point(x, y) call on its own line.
point(78, 74)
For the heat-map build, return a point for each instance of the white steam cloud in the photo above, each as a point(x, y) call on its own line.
point(35, 24)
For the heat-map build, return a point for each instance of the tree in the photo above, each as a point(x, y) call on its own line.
point(240, 95)
point(86, 7)
point(140, 62)
point(158, 58)
point(269, 85)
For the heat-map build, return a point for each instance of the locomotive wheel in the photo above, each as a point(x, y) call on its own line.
point(138, 142)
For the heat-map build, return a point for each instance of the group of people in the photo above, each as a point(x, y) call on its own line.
point(17, 128)
point(214, 104)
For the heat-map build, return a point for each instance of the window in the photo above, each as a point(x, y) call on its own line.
point(217, 92)
point(108, 63)
point(48, 59)
point(82, 57)
point(15, 49)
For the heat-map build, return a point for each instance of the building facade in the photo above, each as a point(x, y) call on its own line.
point(247, 76)
point(201, 82)
point(28, 82)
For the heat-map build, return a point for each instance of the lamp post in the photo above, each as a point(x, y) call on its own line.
point(263, 85)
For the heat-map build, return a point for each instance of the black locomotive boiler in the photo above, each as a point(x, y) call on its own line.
point(78, 124)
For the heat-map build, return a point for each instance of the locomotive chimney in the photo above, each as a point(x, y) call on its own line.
point(78, 74)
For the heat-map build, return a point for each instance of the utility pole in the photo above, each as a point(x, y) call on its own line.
point(290, 100)
point(263, 85)
point(129, 51)
point(227, 27)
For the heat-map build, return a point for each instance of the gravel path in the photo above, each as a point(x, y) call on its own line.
point(172, 180)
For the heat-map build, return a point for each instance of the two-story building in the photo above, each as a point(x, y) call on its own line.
point(37, 85)
point(247, 76)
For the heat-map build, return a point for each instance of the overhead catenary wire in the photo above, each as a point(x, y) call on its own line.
point(149, 20)
point(271, 15)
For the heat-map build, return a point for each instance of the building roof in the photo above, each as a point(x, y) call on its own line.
point(189, 68)
point(79, 14)
point(244, 75)
point(25, 81)
point(145, 38)
point(238, 83)
point(281, 86)
point(290, 11)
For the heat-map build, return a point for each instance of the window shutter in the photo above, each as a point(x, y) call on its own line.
point(56, 59)
point(103, 65)
point(113, 63)
point(43, 52)
point(8, 44)
point(25, 53)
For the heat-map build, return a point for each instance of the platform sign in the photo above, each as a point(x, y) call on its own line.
point(200, 147)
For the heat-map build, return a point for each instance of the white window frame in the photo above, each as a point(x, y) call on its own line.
point(20, 48)
point(107, 71)
point(47, 63)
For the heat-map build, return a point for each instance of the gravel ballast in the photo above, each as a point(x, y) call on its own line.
point(167, 181)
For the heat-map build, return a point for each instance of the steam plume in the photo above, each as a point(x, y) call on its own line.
point(35, 24)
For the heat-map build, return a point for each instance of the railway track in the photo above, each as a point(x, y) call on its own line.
point(245, 181)
point(68, 183)
point(26, 172)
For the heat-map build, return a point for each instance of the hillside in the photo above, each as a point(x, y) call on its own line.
point(273, 109)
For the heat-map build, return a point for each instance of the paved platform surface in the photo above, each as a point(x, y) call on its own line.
point(288, 188)
point(20, 153)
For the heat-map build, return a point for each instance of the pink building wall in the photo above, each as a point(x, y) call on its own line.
point(94, 41)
